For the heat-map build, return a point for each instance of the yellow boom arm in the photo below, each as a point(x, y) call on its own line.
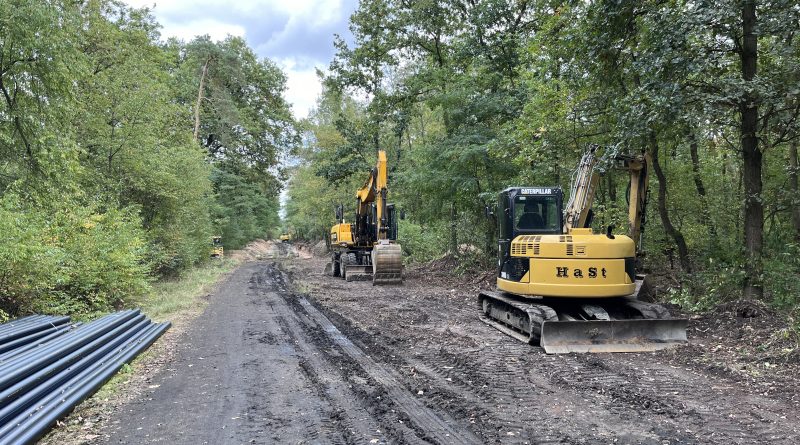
point(581, 197)
point(374, 190)
point(584, 187)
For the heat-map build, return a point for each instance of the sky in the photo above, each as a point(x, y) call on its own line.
point(296, 34)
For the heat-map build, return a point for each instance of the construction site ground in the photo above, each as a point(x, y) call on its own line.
point(285, 354)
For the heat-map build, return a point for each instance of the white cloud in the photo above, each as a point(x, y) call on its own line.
point(216, 30)
point(302, 86)
point(297, 34)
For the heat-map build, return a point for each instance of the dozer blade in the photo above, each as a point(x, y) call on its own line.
point(387, 264)
point(357, 272)
point(640, 335)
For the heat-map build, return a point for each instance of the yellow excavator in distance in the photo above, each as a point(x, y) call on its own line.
point(217, 251)
point(565, 288)
point(368, 248)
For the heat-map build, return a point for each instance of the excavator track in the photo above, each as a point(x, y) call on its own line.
point(387, 263)
point(598, 325)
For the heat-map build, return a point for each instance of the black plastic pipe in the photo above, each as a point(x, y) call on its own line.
point(13, 402)
point(30, 327)
point(72, 384)
point(39, 422)
point(54, 345)
point(15, 324)
point(6, 356)
point(38, 375)
point(11, 370)
point(22, 341)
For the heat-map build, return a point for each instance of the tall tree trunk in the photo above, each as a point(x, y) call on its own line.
point(793, 187)
point(453, 234)
point(701, 190)
point(200, 99)
point(611, 184)
point(752, 160)
point(666, 222)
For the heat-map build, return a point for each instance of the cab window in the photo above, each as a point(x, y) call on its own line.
point(537, 213)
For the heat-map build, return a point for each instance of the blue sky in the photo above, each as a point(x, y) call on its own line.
point(296, 34)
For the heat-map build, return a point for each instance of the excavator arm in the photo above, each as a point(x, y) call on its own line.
point(578, 212)
point(375, 191)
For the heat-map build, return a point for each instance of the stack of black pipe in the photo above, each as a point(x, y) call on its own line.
point(47, 366)
point(25, 333)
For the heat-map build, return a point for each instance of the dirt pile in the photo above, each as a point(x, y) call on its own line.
point(320, 249)
point(302, 250)
point(259, 250)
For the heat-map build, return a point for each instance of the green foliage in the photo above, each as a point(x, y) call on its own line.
point(469, 98)
point(69, 258)
point(422, 243)
point(717, 282)
point(246, 214)
point(103, 184)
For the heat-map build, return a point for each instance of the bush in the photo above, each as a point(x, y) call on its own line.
point(420, 243)
point(780, 273)
point(71, 259)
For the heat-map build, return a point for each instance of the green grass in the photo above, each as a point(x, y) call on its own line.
point(171, 296)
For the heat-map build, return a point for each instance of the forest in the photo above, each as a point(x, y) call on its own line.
point(122, 154)
point(469, 97)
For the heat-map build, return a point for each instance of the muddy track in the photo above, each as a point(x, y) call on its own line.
point(286, 355)
point(263, 365)
point(513, 393)
point(426, 423)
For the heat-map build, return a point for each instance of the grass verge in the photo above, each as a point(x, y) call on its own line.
point(184, 293)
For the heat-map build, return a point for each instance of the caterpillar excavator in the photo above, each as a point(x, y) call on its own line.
point(565, 288)
point(367, 248)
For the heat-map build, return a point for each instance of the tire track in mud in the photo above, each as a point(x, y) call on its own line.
point(527, 404)
point(426, 424)
point(340, 420)
point(490, 388)
point(665, 406)
point(504, 387)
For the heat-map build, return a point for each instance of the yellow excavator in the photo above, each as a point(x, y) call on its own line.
point(566, 288)
point(367, 248)
point(217, 251)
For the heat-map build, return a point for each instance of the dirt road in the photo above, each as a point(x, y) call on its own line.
point(286, 355)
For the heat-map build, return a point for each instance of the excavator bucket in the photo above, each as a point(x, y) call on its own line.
point(640, 335)
point(387, 263)
point(328, 269)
